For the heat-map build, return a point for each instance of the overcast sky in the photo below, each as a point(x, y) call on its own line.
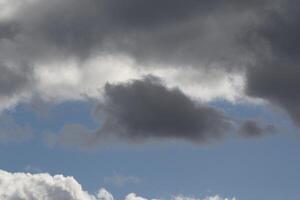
point(149, 99)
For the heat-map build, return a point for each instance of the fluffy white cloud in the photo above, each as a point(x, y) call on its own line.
point(133, 196)
point(67, 79)
point(26, 186)
point(103, 194)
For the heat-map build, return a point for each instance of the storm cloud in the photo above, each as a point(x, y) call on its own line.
point(146, 108)
point(58, 37)
point(233, 50)
point(13, 80)
point(7, 30)
point(275, 75)
point(189, 33)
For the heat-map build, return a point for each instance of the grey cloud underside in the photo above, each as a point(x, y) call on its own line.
point(171, 32)
point(7, 30)
point(254, 128)
point(156, 33)
point(13, 80)
point(279, 85)
point(259, 37)
point(145, 109)
point(275, 75)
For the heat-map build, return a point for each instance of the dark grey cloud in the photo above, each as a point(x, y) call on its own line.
point(275, 75)
point(8, 30)
point(192, 32)
point(199, 33)
point(279, 84)
point(146, 108)
point(255, 128)
point(13, 80)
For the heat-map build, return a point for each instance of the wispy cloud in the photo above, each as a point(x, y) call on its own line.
point(32, 168)
point(121, 180)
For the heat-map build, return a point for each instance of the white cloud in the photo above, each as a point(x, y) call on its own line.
point(67, 79)
point(26, 186)
point(103, 194)
point(8, 8)
point(133, 196)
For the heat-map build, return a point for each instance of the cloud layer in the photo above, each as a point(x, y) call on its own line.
point(275, 74)
point(26, 186)
point(63, 50)
point(145, 109)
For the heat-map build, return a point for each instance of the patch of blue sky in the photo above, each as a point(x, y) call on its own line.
point(246, 168)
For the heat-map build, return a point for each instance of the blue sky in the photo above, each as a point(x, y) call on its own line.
point(255, 168)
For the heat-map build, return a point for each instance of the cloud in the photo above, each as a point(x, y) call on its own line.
point(7, 31)
point(175, 32)
point(103, 194)
point(254, 128)
point(146, 108)
point(13, 80)
point(133, 196)
point(15, 84)
point(26, 186)
point(275, 73)
point(63, 50)
point(61, 39)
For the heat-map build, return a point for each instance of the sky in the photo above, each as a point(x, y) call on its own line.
point(158, 100)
